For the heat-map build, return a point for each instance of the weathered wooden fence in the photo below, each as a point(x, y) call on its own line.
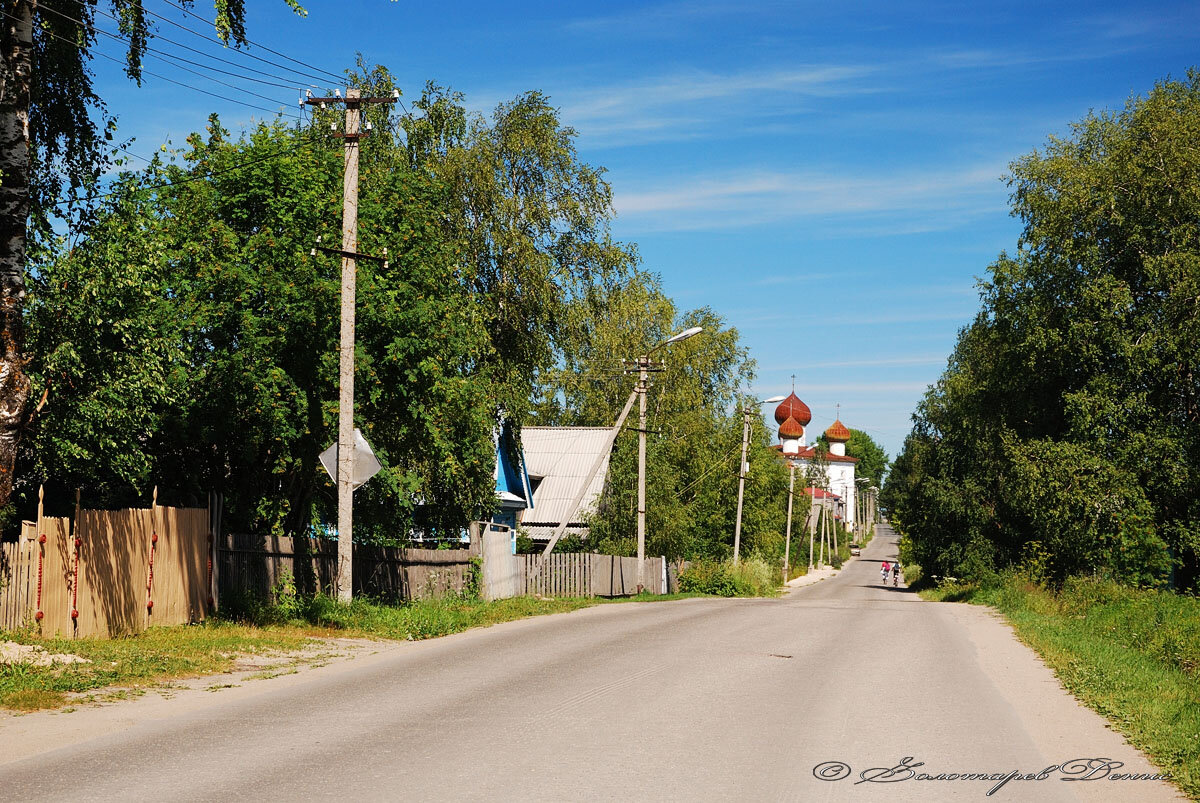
point(585, 574)
point(118, 572)
point(122, 571)
point(257, 565)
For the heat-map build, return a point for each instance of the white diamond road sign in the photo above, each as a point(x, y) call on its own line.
point(366, 465)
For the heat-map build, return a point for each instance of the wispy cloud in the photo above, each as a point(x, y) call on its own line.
point(655, 20)
point(923, 201)
point(865, 388)
point(700, 103)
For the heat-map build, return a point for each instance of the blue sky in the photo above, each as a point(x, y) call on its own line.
point(828, 177)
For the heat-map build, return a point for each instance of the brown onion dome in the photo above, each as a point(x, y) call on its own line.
point(792, 407)
point(791, 430)
point(837, 432)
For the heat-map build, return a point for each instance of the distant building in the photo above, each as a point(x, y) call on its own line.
point(537, 479)
point(793, 417)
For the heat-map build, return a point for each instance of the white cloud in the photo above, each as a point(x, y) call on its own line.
point(701, 103)
point(660, 20)
point(904, 200)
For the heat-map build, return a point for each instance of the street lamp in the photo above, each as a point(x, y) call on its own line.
point(644, 368)
point(744, 468)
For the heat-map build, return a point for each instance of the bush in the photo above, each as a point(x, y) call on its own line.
point(752, 577)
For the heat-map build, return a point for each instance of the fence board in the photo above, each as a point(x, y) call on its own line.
point(15, 605)
point(108, 585)
point(57, 568)
point(180, 591)
point(255, 565)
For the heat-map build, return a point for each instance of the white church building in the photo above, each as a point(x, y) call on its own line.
point(793, 418)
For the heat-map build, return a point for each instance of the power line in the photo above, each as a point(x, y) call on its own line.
point(217, 80)
point(167, 56)
point(338, 78)
point(720, 462)
point(221, 44)
point(163, 77)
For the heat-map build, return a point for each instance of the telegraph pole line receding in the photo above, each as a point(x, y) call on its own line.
point(349, 253)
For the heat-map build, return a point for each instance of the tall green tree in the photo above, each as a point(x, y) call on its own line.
point(215, 365)
point(694, 424)
point(1065, 431)
point(54, 133)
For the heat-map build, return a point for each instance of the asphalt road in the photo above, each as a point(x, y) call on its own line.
point(689, 700)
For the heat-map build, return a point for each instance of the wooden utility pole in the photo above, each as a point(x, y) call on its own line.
point(349, 253)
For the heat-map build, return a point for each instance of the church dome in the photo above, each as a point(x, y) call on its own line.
point(791, 430)
point(837, 432)
point(792, 407)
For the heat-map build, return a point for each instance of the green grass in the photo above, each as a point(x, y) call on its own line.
point(1131, 655)
point(162, 654)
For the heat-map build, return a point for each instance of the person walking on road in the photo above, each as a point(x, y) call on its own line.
point(896, 573)
point(883, 570)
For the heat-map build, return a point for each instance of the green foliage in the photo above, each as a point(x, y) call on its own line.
point(752, 577)
point(285, 596)
point(1067, 414)
point(191, 340)
point(70, 130)
point(474, 585)
point(694, 426)
point(525, 544)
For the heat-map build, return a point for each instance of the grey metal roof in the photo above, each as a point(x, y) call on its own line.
point(561, 456)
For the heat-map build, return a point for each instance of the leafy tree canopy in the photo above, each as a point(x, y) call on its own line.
point(190, 339)
point(1065, 432)
point(694, 423)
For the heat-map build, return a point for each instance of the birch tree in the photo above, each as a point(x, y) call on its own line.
point(54, 132)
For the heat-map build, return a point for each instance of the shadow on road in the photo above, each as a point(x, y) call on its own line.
point(894, 589)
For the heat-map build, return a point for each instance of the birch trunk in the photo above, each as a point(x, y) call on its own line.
point(16, 49)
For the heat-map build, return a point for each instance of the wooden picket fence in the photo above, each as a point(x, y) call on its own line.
point(107, 572)
point(259, 565)
point(565, 574)
point(585, 574)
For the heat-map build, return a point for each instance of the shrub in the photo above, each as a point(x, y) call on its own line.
point(752, 577)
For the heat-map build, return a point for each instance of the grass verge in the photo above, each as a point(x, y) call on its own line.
point(162, 654)
point(1131, 655)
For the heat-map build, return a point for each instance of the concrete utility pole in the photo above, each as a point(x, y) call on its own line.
point(787, 546)
point(743, 470)
point(349, 253)
point(812, 523)
point(643, 363)
point(644, 367)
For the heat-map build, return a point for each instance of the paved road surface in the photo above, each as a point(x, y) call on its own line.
point(690, 700)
